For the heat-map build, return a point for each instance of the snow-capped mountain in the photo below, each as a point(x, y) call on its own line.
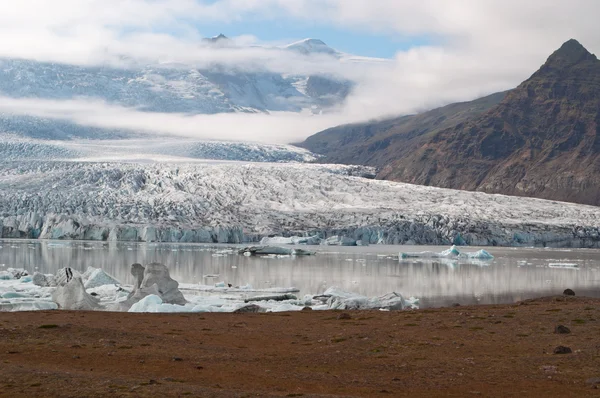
point(312, 46)
point(177, 87)
point(165, 87)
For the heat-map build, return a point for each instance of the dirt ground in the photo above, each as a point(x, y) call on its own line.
point(501, 350)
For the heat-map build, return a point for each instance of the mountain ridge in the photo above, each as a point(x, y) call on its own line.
point(542, 140)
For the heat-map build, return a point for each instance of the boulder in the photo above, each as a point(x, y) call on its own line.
point(249, 309)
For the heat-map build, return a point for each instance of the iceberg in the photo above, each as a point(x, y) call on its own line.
point(294, 240)
point(564, 265)
point(154, 279)
point(452, 253)
point(339, 241)
point(71, 295)
point(273, 251)
point(337, 299)
point(97, 277)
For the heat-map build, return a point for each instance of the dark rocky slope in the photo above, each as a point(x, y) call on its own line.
point(377, 143)
point(542, 139)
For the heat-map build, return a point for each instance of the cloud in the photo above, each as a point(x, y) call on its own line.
point(283, 127)
point(475, 48)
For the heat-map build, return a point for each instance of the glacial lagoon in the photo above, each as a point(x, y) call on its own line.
point(514, 274)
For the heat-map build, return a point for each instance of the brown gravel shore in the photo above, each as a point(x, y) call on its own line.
point(500, 350)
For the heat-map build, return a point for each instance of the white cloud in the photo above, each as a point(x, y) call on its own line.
point(478, 47)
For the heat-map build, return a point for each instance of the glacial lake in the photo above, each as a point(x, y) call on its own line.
point(514, 274)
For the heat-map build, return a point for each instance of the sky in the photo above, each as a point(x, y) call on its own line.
point(439, 51)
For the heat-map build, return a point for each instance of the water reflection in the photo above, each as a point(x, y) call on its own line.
point(514, 274)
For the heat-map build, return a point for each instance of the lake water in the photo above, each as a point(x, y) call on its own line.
point(514, 274)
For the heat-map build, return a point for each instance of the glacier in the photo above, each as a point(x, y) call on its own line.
point(17, 148)
point(245, 202)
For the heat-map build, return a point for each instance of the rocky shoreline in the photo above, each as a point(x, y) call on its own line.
point(543, 347)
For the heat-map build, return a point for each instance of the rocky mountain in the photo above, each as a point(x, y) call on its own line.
point(376, 143)
point(542, 140)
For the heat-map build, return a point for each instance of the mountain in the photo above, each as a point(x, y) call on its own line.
point(173, 87)
point(542, 140)
point(312, 46)
point(165, 88)
point(377, 143)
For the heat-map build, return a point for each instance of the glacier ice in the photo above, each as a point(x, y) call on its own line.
point(339, 241)
point(242, 203)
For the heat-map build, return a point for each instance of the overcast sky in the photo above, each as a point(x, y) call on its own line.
point(440, 51)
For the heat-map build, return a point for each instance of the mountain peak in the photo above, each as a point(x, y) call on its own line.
point(220, 39)
point(569, 54)
point(311, 46)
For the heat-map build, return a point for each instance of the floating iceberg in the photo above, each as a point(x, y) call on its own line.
point(452, 253)
point(274, 250)
point(294, 240)
point(339, 241)
point(564, 265)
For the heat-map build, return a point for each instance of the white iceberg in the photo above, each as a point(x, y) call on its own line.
point(452, 253)
point(97, 277)
point(337, 299)
point(293, 240)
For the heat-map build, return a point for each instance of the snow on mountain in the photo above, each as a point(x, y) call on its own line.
point(174, 87)
point(166, 87)
point(312, 46)
point(243, 202)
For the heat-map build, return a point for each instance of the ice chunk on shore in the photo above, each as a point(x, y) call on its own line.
point(98, 278)
point(43, 280)
point(337, 299)
point(155, 279)
point(28, 305)
point(153, 303)
point(452, 253)
point(71, 294)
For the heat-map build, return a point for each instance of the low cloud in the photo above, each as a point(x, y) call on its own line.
point(476, 48)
